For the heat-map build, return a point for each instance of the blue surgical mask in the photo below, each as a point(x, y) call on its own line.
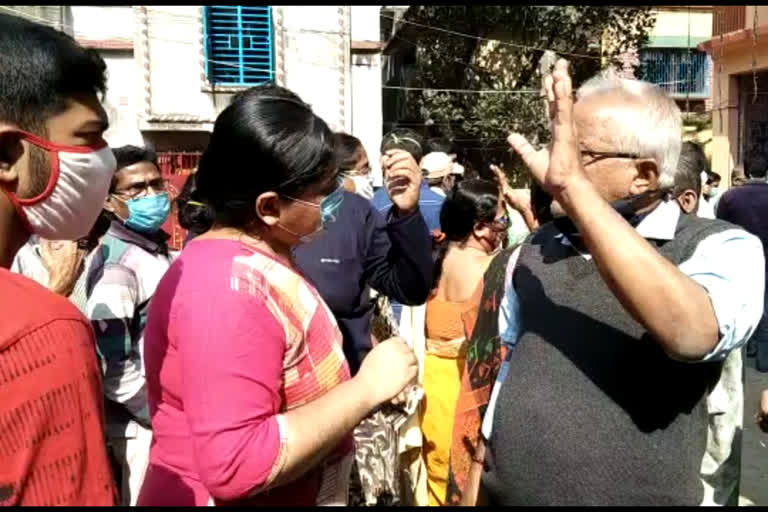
point(329, 209)
point(147, 214)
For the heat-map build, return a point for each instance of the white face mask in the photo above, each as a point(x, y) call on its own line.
point(77, 187)
point(363, 185)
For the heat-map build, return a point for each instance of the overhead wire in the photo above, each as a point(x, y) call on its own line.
point(193, 19)
point(479, 38)
point(464, 91)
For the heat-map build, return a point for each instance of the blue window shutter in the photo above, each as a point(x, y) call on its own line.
point(676, 70)
point(238, 44)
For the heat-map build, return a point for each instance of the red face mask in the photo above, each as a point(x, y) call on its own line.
point(79, 181)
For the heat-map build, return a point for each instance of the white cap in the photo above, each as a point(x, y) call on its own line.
point(437, 164)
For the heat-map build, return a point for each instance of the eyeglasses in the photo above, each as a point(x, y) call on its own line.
point(329, 206)
point(501, 223)
point(363, 171)
point(601, 155)
point(142, 188)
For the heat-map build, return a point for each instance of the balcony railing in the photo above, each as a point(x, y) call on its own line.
point(676, 70)
point(727, 18)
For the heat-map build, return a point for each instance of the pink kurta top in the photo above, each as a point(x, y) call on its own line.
point(234, 338)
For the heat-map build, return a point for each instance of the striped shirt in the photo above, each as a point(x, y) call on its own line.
point(123, 281)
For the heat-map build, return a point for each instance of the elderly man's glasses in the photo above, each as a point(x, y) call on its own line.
point(602, 155)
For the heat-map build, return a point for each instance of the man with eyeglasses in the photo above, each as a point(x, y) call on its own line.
point(133, 258)
point(618, 316)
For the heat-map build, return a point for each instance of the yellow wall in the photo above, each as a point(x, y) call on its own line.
point(725, 100)
point(762, 15)
point(675, 23)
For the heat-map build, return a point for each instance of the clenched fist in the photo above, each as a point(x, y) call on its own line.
point(403, 177)
point(387, 370)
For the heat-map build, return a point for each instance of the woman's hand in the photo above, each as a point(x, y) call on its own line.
point(518, 199)
point(403, 177)
point(387, 370)
point(62, 259)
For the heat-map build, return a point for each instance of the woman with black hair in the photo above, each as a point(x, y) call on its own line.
point(250, 396)
point(194, 216)
point(354, 165)
point(474, 225)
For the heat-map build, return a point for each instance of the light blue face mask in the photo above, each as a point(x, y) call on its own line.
point(147, 214)
point(329, 209)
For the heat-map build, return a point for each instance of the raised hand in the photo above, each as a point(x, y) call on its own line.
point(403, 177)
point(516, 198)
point(557, 166)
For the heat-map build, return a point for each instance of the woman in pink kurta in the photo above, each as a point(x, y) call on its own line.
point(249, 393)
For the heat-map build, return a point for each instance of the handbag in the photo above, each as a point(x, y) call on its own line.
point(376, 437)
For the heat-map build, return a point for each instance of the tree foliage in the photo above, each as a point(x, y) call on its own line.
point(480, 123)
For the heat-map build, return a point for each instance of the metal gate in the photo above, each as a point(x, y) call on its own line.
point(175, 167)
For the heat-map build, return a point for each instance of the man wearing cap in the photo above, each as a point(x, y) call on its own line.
point(441, 171)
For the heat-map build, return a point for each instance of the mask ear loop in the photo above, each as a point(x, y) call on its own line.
point(126, 205)
point(53, 178)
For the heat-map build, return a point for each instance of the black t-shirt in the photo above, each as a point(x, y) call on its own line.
point(747, 206)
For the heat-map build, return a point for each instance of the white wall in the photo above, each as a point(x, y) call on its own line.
point(316, 60)
point(675, 23)
point(103, 23)
point(94, 25)
point(366, 85)
point(120, 102)
point(314, 64)
point(366, 107)
point(366, 22)
point(174, 61)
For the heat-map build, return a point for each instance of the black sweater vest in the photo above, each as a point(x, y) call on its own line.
point(592, 411)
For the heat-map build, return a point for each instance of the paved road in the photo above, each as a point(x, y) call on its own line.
point(754, 454)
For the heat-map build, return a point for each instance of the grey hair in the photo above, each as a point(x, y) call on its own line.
point(652, 129)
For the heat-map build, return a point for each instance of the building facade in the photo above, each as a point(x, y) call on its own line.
point(173, 69)
point(739, 51)
point(671, 58)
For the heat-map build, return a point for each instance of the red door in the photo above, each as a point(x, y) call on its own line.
point(175, 167)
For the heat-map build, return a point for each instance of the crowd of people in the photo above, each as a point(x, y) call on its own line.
point(581, 343)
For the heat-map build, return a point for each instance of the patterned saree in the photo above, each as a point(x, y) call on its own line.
point(485, 354)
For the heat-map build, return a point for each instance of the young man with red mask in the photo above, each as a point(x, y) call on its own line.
point(55, 170)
